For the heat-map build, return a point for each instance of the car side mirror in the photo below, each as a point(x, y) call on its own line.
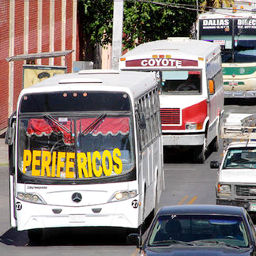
point(214, 165)
point(135, 239)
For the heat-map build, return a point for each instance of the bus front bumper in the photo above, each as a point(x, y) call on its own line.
point(239, 94)
point(183, 139)
point(117, 214)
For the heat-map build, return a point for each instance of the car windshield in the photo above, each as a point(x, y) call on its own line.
point(240, 158)
point(184, 82)
point(204, 230)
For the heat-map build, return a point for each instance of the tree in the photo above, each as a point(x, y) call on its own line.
point(143, 21)
point(216, 4)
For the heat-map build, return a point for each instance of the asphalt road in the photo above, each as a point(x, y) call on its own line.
point(186, 183)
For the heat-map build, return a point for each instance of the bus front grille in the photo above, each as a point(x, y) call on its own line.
point(170, 116)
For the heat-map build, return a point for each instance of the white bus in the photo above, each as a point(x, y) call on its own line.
point(234, 30)
point(191, 100)
point(86, 151)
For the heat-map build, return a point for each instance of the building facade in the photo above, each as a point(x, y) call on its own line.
point(33, 28)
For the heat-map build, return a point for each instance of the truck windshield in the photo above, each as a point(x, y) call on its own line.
point(184, 82)
point(240, 158)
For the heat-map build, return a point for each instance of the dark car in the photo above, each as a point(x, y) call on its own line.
point(199, 230)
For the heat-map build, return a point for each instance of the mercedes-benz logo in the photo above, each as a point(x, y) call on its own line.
point(77, 197)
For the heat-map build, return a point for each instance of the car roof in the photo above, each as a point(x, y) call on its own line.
point(202, 210)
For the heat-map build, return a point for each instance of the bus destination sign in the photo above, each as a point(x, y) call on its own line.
point(225, 26)
point(161, 62)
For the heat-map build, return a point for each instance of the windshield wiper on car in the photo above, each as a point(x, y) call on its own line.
point(171, 242)
point(218, 243)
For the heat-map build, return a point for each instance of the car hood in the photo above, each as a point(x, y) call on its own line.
point(198, 251)
point(238, 175)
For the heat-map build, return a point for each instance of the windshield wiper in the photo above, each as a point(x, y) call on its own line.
point(52, 119)
point(91, 127)
point(203, 242)
point(171, 242)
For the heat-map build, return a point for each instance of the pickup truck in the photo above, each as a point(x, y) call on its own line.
point(236, 179)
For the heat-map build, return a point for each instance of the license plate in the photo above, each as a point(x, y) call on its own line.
point(252, 207)
point(76, 218)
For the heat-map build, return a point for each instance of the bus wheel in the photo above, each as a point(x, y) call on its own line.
point(36, 236)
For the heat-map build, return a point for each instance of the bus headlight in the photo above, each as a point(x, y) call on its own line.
point(224, 189)
point(194, 126)
point(29, 197)
point(123, 195)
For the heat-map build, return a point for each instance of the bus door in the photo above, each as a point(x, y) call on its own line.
point(10, 141)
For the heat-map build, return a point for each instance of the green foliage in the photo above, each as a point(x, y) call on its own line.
point(142, 21)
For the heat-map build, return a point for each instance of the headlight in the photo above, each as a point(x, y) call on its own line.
point(123, 195)
point(224, 189)
point(194, 126)
point(29, 197)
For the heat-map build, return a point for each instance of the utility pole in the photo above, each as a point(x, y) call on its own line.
point(117, 32)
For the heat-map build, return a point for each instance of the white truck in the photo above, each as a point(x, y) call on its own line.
point(236, 179)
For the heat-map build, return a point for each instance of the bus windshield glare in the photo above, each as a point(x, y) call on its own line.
point(74, 145)
point(185, 82)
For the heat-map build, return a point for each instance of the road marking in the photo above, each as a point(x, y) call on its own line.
point(183, 200)
point(192, 200)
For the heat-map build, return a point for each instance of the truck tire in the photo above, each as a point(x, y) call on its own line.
point(200, 153)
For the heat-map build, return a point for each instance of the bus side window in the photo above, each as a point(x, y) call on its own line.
point(139, 120)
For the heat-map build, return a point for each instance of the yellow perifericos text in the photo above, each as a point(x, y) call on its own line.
point(62, 164)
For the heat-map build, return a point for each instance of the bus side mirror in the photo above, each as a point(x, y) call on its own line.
point(214, 165)
point(10, 133)
point(211, 87)
point(9, 136)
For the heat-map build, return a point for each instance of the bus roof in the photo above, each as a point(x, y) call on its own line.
point(227, 13)
point(134, 83)
point(176, 47)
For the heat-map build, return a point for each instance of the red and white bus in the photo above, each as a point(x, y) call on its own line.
point(191, 93)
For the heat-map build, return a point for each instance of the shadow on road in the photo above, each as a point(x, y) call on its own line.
point(240, 102)
point(13, 237)
point(68, 237)
point(181, 155)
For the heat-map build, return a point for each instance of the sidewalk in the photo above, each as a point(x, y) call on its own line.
point(3, 153)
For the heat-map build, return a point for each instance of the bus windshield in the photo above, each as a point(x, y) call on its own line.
point(243, 47)
point(75, 146)
point(185, 82)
